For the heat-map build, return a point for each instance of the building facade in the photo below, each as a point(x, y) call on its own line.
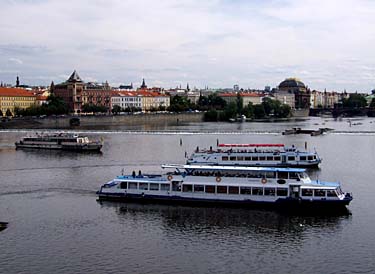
point(300, 91)
point(13, 98)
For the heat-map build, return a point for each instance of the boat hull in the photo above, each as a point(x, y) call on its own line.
point(281, 203)
point(78, 147)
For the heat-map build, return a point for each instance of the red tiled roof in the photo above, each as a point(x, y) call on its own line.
point(15, 92)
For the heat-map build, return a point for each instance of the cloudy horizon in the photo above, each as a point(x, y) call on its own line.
point(215, 43)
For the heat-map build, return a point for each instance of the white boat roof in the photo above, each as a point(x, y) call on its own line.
point(237, 168)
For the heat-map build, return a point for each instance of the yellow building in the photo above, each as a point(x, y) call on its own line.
point(11, 98)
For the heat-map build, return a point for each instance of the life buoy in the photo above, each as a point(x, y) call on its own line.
point(170, 177)
point(218, 179)
point(264, 180)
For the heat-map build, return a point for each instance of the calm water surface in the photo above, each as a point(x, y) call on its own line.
point(56, 224)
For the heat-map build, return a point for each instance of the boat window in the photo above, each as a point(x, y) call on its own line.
point(245, 190)
point(291, 158)
point(302, 158)
point(176, 186)
point(247, 158)
point(132, 185)
point(222, 189)
point(257, 190)
point(234, 190)
point(187, 188)
point(198, 188)
point(277, 158)
point(269, 158)
point(331, 193)
point(154, 186)
point(293, 175)
point(269, 191)
point(319, 193)
point(239, 158)
point(262, 158)
point(225, 158)
point(165, 187)
point(270, 174)
point(310, 158)
point(282, 175)
point(281, 181)
point(124, 185)
point(255, 158)
point(232, 158)
point(307, 192)
point(143, 186)
point(282, 192)
point(210, 189)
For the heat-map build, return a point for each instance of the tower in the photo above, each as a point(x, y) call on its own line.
point(143, 84)
point(17, 82)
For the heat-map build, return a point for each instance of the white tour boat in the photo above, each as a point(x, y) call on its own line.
point(265, 155)
point(229, 185)
point(59, 141)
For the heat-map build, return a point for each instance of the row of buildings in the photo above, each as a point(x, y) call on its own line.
point(76, 93)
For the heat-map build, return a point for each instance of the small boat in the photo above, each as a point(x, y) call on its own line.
point(227, 185)
point(266, 155)
point(60, 141)
point(3, 225)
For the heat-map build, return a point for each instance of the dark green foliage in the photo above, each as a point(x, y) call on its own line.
point(259, 111)
point(1, 113)
point(116, 109)
point(8, 113)
point(211, 116)
point(355, 101)
point(54, 106)
point(94, 108)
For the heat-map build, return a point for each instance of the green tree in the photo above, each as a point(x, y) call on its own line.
point(259, 111)
point(248, 111)
point(355, 100)
point(116, 109)
point(211, 115)
point(1, 113)
point(8, 113)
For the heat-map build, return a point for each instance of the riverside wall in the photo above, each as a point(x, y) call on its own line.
point(102, 121)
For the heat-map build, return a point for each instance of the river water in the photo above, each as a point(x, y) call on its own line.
point(56, 225)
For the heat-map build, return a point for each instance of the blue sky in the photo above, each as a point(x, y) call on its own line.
point(216, 43)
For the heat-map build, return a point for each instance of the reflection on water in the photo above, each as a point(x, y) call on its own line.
point(191, 219)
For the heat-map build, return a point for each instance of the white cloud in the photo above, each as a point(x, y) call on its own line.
point(213, 42)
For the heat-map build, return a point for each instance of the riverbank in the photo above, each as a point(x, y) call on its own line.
point(104, 121)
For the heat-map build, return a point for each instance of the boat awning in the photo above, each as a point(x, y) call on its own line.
point(251, 145)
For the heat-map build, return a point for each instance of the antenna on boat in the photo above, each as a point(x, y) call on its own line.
point(122, 171)
point(306, 145)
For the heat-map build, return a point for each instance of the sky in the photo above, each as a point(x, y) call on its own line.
point(328, 44)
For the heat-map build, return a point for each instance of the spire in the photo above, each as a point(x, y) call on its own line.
point(74, 77)
point(143, 84)
point(17, 82)
point(187, 87)
point(52, 87)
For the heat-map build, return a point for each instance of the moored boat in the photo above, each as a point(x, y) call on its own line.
point(228, 185)
point(266, 155)
point(59, 141)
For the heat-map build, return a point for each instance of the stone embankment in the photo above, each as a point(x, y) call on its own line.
point(102, 121)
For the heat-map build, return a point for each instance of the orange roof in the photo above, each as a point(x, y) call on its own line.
point(15, 92)
point(41, 98)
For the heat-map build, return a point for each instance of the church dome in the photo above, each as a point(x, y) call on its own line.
point(292, 83)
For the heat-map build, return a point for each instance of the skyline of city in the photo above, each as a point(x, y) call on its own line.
point(327, 44)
